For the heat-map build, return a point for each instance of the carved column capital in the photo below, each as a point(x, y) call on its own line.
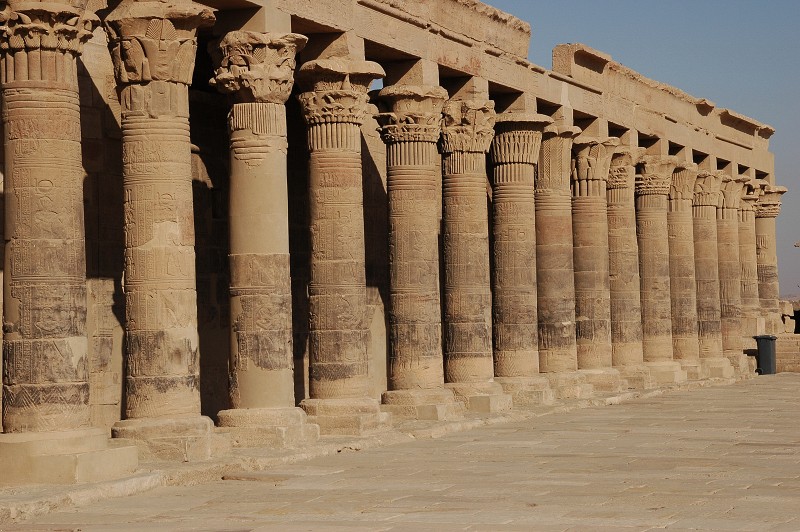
point(707, 189)
point(731, 191)
point(769, 204)
point(750, 193)
point(256, 67)
point(683, 180)
point(555, 158)
point(413, 113)
point(622, 173)
point(592, 164)
point(656, 175)
point(467, 126)
point(518, 137)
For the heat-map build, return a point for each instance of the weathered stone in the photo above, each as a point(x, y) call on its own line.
point(767, 209)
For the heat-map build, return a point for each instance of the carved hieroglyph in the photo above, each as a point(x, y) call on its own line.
point(515, 153)
point(767, 209)
point(467, 131)
point(682, 282)
point(257, 71)
point(411, 129)
point(554, 267)
point(334, 107)
point(153, 48)
point(748, 262)
point(590, 255)
point(45, 366)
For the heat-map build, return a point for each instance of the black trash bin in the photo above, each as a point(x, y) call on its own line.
point(766, 354)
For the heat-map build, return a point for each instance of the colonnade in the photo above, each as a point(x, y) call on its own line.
point(609, 265)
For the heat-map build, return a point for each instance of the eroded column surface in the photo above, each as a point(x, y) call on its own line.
point(706, 261)
point(730, 283)
point(467, 131)
point(411, 128)
point(515, 153)
point(748, 262)
point(767, 209)
point(591, 260)
point(334, 108)
point(153, 47)
point(683, 285)
point(256, 70)
point(652, 191)
point(625, 286)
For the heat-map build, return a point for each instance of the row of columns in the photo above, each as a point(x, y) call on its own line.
point(575, 292)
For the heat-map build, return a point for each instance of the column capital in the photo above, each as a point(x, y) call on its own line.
point(592, 164)
point(769, 203)
point(467, 126)
point(622, 173)
point(256, 67)
point(518, 137)
point(336, 89)
point(413, 113)
point(45, 26)
point(155, 41)
point(682, 182)
point(656, 175)
point(731, 191)
point(750, 193)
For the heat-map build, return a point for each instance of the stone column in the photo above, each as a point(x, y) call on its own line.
point(411, 130)
point(256, 70)
point(623, 253)
point(752, 322)
point(730, 283)
point(706, 262)
point(515, 152)
point(45, 347)
point(467, 131)
point(153, 47)
point(683, 285)
point(555, 281)
point(591, 261)
point(767, 209)
point(652, 191)
point(334, 108)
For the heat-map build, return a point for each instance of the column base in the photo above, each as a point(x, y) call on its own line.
point(347, 417)
point(435, 404)
point(741, 365)
point(268, 427)
point(604, 379)
point(527, 391)
point(68, 457)
point(189, 438)
point(667, 372)
point(694, 371)
point(638, 377)
point(570, 385)
point(718, 368)
point(481, 397)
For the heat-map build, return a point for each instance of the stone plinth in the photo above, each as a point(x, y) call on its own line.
point(652, 191)
point(682, 282)
point(45, 348)
point(591, 261)
point(706, 261)
point(411, 128)
point(752, 321)
point(153, 47)
point(334, 107)
point(767, 209)
point(625, 287)
point(467, 131)
point(256, 70)
point(515, 152)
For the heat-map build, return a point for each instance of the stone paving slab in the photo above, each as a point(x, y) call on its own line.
point(713, 458)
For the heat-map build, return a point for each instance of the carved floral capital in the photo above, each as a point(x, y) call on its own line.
point(592, 163)
point(769, 203)
point(731, 191)
point(656, 175)
point(707, 189)
point(467, 126)
point(622, 173)
point(518, 137)
point(27, 26)
point(412, 113)
point(683, 180)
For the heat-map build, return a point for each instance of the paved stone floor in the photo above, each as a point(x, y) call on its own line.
point(716, 458)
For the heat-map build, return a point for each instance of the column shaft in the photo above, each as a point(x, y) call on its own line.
point(730, 284)
point(767, 209)
point(748, 263)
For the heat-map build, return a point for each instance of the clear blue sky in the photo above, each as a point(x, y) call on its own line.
point(744, 55)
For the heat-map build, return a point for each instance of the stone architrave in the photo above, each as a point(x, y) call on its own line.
point(706, 261)
point(411, 128)
point(682, 282)
point(623, 254)
point(256, 70)
point(467, 132)
point(652, 191)
point(767, 209)
point(752, 323)
point(730, 282)
point(335, 105)
point(515, 153)
point(45, 347)
point(153, 48)
point(591, 261)
point(555, 281)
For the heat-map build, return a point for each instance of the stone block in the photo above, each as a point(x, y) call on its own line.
point(605, 379)
point(718, 368)
point(483, 397)
point(346, 417)
point(667, 372)
point(527, 391)
point(438, 404)
point(570, 385)
point(185, 439)
point(267, 427)
point(637, 377)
